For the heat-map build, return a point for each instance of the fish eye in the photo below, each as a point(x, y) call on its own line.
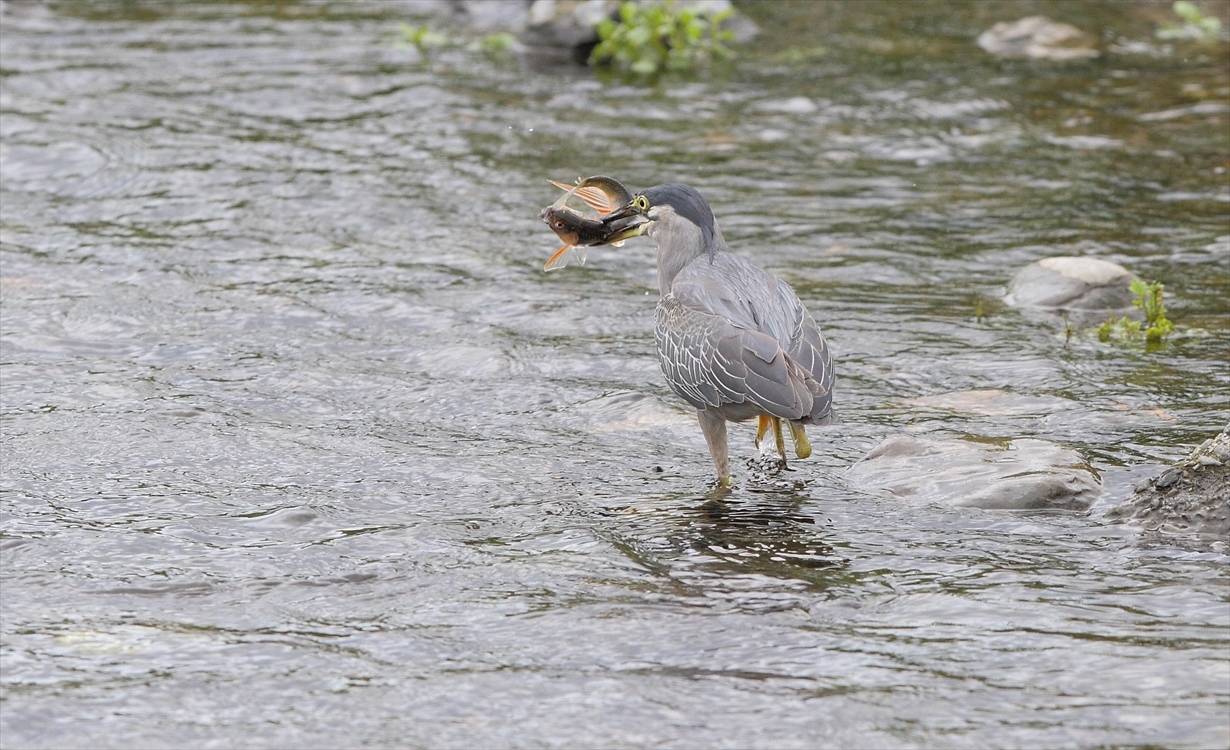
point(641, 203)
point(559, 224)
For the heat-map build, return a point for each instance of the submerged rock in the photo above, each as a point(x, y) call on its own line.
point(1191, 497)
point(1037, 37)
point(1021, 474)
point(992, 402)
point(1072, 283)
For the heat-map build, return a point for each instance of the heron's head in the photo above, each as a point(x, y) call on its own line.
point(671, 212)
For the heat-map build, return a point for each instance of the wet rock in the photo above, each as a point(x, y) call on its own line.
point(796, 105)
point(1192, 497)
point(567, 25)
point(1021, 474)
point(1072, 283)
point(1037, 37)
point(493, 15)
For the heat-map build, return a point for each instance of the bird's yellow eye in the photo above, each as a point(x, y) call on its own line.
point(641, 203)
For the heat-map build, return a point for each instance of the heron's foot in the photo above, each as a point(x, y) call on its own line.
point(767, 464)
point(769, 473)
point(802, 448)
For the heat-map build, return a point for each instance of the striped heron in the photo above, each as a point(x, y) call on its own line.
point(733, 340)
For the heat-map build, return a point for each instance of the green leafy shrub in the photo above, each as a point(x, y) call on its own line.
point(652, 37)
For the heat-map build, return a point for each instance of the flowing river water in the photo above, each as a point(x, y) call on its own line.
point(302, 448)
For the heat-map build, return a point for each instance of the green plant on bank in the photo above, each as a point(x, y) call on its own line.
point(498, 44)
point(421, 36)
point(652, 37)
point(494, 45)
point(797, 55)
point(1195, 24)
point(1156, 327)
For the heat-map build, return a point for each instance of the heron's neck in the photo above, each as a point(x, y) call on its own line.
point(681, 246)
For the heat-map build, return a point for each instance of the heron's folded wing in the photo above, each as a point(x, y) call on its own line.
point(710, 361)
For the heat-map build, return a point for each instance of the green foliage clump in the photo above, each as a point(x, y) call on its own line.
point(1195, 24)
point(652, 37)
point(1156, 327)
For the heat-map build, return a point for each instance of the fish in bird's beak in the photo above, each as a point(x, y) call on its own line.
point(627, 221)
point(613, 224)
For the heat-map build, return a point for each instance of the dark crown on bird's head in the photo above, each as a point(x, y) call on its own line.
point(687, 203)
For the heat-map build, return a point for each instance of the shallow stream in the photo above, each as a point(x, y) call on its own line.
point(302, 448)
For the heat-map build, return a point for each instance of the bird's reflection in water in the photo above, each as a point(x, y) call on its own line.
point(760, 530)
point(757, 545)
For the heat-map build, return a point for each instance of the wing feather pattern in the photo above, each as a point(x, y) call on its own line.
point(730, 333)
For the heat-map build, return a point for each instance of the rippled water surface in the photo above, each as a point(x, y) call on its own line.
point(302, 448)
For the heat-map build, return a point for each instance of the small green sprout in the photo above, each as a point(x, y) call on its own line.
point(652, 37)
point(421, 36)
point(1156, 326)
point(498, 44)
point(795, 55)
point(1196, 25)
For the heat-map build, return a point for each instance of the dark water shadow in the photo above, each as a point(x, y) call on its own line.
point(767, 533)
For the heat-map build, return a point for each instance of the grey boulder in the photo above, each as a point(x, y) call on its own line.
point(1072, 283)
point(1039, 38)
point(1021, 474)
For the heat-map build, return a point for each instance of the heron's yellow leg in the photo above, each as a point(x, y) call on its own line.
point(802, 448)
point(777, 436)
point(762, 428)
point(714, 428)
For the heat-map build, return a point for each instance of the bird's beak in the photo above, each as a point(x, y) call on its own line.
point(624, 223)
